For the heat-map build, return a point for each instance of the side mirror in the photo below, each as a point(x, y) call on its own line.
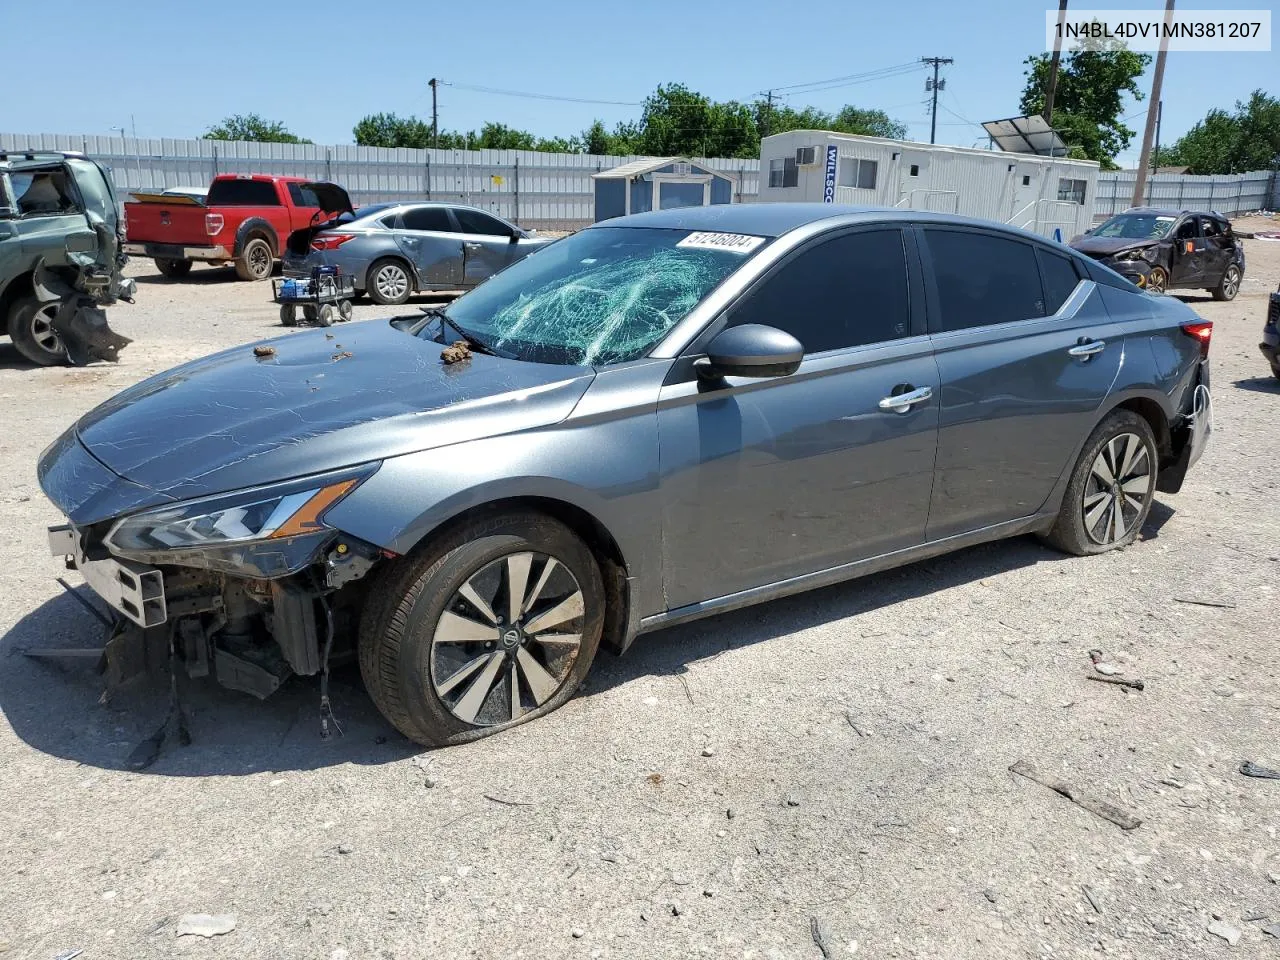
point(751, 350)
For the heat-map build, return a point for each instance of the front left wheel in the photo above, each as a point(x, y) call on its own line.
point(495, 625)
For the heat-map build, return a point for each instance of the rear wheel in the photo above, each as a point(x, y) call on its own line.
point(389, 282)
point(255, 260)
point(309, 312)
point(173, 269)
point(493, 626)
point(1229, 285)
point(32, 333)
point(324, 316)
point(1110, 491)
point(344, 309)
point(288, 315)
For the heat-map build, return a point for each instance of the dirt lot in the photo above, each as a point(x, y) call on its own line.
point(606, 829)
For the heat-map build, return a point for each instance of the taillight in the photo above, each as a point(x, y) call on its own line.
point(331, 241)
point(213, 223)
point(1202, 331)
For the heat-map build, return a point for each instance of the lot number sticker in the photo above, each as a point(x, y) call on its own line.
point(733, 242)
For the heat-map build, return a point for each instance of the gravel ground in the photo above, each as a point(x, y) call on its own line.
point(829, 767)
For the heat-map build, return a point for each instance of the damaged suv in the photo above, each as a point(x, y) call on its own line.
point(655, 419)
point(60, 257)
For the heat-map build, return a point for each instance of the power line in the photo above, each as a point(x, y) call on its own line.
point(496, 91)
point(852, 78)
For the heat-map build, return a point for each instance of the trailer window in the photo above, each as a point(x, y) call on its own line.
point(858, 173)
point(1071, 190)
point(783, 172)
point(243, 193)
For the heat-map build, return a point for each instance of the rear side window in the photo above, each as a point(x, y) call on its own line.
point(983, 279)
point(243, 193)
point(302, 196)
point(427, 218)
point(843, 292)
point(1060, 279)
point(43, 192)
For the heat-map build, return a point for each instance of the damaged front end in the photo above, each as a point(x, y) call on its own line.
point(248, 588)
point(80, 287)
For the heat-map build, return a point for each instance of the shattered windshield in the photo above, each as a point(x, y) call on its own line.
point(604, 295)
point(1135, 226)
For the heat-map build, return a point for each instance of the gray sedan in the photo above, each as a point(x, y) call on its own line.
point(658, 418)
point(393, 250)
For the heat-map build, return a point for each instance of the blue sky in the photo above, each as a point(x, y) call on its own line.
point(180, 67)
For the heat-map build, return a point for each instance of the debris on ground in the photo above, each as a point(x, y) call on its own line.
point(1093, 900)
point(505, 802)
point(205, 924)
point(818, 930)
point(264, 351)
point(990, 894)
point(848, 716)
point(1118, 681)
point(1250, 916)
point(1251, 769)
point(69, 955)
point(1108, 669)
point(1272, 930)
point(1220, 928)
point(708, 752)
point(1094, 805)
point(1216, 604)
point(456, 353)
point(344, 849)
point(791, 800)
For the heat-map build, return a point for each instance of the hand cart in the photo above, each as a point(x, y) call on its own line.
point(324, 296)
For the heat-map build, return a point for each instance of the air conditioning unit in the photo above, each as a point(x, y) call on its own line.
point(806, 156)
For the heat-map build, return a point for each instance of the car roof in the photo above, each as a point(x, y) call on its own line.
point(1169, 212)
point(775, 219)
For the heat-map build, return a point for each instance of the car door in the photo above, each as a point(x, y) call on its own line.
point(50, 215)
point(767, 479)
point(1026, 353)
point(488, 244)
point(1186, 268)
point(428, 237)
point(1219, 250)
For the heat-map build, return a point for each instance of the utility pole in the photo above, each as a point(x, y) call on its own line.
point(768, 112)
point(434, 82)
point(1155, 153)
point(935, 85)
point(1053, 64)
point(1153, 108)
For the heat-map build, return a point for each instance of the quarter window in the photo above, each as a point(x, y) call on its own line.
point(783, 172)
point(1071, 190)
point(983, 279)
point(843, 292)
point(428, 218)
point(1060, 279)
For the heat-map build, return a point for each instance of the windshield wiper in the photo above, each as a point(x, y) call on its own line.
point(470, 339)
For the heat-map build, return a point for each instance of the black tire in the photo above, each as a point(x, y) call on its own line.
point(288, 315)
point(31, 333)
point(1275, 370)
point(173, 269)
point(407, 601)
point(256, 260)
point(324, 316)
point(1069, 532)
point(344, 310)
point(1229, 285)
point(309, 311)
point(389, 282)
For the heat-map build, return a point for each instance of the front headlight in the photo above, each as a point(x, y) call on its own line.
point(1144, 254)
point(268, 513)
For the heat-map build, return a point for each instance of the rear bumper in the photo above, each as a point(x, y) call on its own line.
point(177, 251)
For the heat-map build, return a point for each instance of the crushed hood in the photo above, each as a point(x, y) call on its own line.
point(320, 401)
point(1108, 246)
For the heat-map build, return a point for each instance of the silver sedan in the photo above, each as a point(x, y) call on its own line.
point(393, 250)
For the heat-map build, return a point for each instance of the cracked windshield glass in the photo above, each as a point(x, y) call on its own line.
point(604, 295)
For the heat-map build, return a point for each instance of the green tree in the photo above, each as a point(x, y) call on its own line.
point(868, 123)
point(250, 126)
point(389, 130)
point(1239, 142)
point(1092, 83)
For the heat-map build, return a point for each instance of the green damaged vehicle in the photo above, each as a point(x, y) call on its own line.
point(61, 235)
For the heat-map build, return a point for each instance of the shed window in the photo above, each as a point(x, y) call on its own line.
point(1026, 180)
point(1072, 190)
point(783, 172)
point(915, 170)
point(857, 173)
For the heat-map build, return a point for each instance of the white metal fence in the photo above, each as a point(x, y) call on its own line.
point(547, 190)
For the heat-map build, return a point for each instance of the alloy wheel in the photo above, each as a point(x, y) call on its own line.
point(1230, 282)
point(508, 639)
point(259, 260)
point(1157, 280)
point(1116, 491)
point(42, 332)
point(392, 282)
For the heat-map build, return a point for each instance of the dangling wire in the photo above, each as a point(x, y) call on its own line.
point(326, 708)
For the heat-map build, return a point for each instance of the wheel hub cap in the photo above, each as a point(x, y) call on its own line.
point(1117, 489)
point(508, 639)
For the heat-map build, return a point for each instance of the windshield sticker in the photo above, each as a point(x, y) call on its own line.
point(732, 242)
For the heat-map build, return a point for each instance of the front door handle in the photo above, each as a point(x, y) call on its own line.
point(471, 246)
point(1087, 349)
point(903, 402)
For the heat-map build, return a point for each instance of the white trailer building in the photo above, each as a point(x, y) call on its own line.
point(1052, 196)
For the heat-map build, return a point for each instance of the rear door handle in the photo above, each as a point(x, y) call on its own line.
point(903, 402)
point(1089, 349)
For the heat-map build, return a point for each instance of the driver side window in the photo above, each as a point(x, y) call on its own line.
point(473, 221)
point(1187, 230)
point(848, 291)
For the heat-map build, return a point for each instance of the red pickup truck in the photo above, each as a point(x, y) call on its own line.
point(245, 219)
